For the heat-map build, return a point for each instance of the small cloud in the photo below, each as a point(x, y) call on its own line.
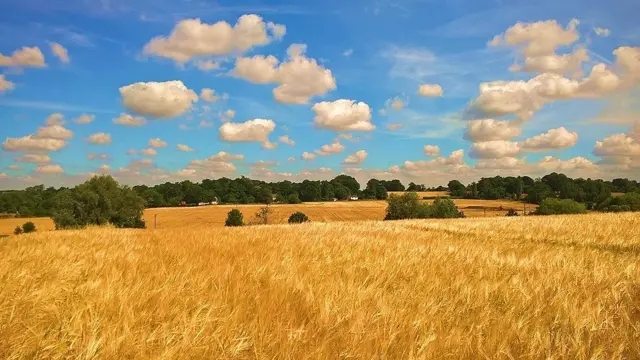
point(84, 119)
point(100, 139)
point(184, 148)
point(602, 31)
point(157, 143)
point(60, 52)
point(394, 127)
point(128, 120)
point(348, 52)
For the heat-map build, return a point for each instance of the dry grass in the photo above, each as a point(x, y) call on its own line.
point(215, 215)
point(495, 288)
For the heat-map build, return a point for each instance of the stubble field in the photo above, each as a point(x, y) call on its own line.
point(215, 215)
point(497, 288)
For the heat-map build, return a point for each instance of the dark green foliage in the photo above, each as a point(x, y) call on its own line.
point(393, 185)
point(552, 206)
point(415, 187)
point(234, 218)
point(293, 199)
point(538, 192)
point(347, 181)
point(298, 218)
point(17, 230)
point(28, 227)
point(98, 201)
point(375, 190)
point(408, 206)
point(626, 202)
point(457, 189)
point(512, 212)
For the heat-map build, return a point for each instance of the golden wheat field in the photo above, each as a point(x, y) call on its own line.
point(557, 287)
point(215, 215)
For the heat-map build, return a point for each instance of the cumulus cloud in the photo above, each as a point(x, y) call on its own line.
point(158, 99)
point(396, 103)
point(84, 119)
point(308, 156)
point(430, 90)
point(286, 140)
point(348, 137)
point(628, 61)
point(494, 149)
point(157, 143)
point(343, 115)
point(431, 150)
point(490, 130)
point(538, 38)
point(209, 95)
point(356, 158)
point(268, 145)
point(5, 85)
point(24, 57)
point(207, 65)
point(257, 130)
point(128, 120)
point(230, 114)
point(184, 148)
point(299, 78)
point(55, 119)
point(334, 148)
point(218, 163)
point(149, 152)
point(617, 145)
point(50, 169)
point(100, 138)
point(60, 52)
point(553, 139)
point(191, 38)
point(92, 156)
point(559, 64)
point(31, 143)
point(54, 132)
point(34, 158)
point(502, 163)
point(550, 163)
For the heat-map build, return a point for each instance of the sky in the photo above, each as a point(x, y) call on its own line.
point(424, 91)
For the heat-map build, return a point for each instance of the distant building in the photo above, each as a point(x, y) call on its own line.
point(334, 199)
point(353, 198)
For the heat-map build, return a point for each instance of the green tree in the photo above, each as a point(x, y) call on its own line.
point(347, 181)
point(293, 199)
point(457, 189)
point(298, 218)
point(405, 206)
point(553, 206)
point(234, 218)
point(28, 227)
point(538, 192)
point(17, 230)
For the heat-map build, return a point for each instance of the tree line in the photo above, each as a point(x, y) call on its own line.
point(39, 201)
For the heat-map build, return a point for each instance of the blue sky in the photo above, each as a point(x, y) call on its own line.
point(371, 52)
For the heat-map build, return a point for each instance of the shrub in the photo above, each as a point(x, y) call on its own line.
point(443, 208)
point(552, 206)
point(28, 227)
point(17, 231)
point(298, 218)
point(234, 218)
point(407, 206)
point(626, 202)
point(293, 199)
point(512, 212)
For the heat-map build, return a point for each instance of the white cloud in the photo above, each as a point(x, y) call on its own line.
point(394, 127)
point(54, 132)
point(430, 90)
point(348, 52)
point(553, 139)
point(25, 57)
point(207, 65)
point(158, 99)
point(31, 143)
point(268, 145)
point(334, 148)
point(209, 95)
point(602, 31)
point(84, 119)
point(291, 159)
point(3, 175)
point(34, 158)
point(187, 172)
point(191, 38)
point(348, 137)
point(100, 138)
point(617, 145)
point(628, 61)
point(502, 163)
point(343, 115)
point(5, 85)
point(149, 152)
point(184, 148)
point(257, 130)
point(356, 158)
point(300, 78)
point(60, 52)
point(494, 149)
point(219, 163)
point(539, 38)
point(50, 169)
point(14, 167)
point(558, 64)
point(55, 119)
point(157, 143)
point(308, 156)
point(230, 114)
point(286, 140)
point(490, 129)
point(104, 167)
point(205, 124)
point(128, 120)
point(141, 163)
point(431, 150)
point(550, 163)
point(396, 103)
point(635, 131)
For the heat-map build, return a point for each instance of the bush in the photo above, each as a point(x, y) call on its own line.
point(298, 218)
point(293, 199)
point(28, 227)
point(234, 218)
point(512, 212)
point(17, 231)
point(407, 206)
point(552, 206)
point(626, 202)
